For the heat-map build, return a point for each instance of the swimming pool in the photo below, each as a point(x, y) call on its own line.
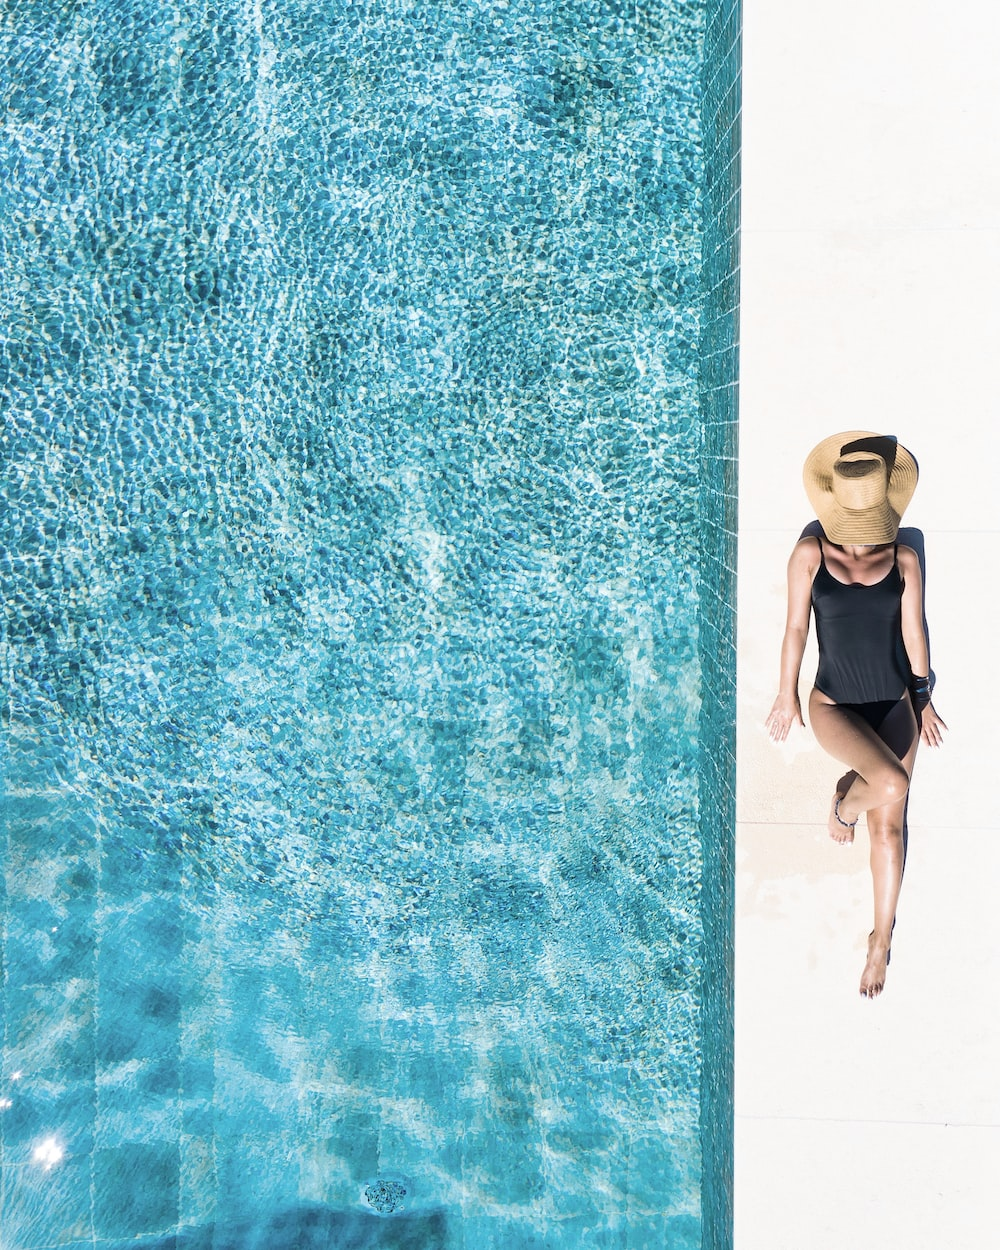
point(366, 549)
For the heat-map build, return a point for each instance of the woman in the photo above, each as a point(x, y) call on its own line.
point(871, 703)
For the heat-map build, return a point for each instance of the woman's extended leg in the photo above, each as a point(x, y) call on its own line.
point(888, 852)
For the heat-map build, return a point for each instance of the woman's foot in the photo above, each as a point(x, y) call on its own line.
point(840, 828)
point(873, 977)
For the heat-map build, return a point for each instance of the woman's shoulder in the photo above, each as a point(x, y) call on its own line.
point(805, 555)
point(908, 563)
point(907, 557)
point(808, 543)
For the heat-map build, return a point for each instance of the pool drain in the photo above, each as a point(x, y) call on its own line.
point(384, 1195)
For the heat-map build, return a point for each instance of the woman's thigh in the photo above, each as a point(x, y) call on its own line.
point(849, 738)
point(901, 734)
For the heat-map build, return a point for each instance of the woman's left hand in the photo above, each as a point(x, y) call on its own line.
point(931, 727)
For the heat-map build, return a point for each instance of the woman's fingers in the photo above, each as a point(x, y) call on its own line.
point(779, 723)
point(931, 727)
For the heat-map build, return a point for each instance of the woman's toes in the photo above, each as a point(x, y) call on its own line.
point(873, 976)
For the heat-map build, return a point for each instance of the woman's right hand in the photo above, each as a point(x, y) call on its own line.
point(787, 711)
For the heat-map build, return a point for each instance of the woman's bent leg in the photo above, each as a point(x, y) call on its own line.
point(881, 777)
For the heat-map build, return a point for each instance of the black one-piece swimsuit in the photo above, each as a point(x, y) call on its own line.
point(862, 662)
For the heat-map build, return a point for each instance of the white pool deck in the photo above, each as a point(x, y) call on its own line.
point(870, 300)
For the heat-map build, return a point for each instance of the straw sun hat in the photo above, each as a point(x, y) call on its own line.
point(860, 483)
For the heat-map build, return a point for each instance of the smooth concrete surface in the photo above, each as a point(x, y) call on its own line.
point(871, 262)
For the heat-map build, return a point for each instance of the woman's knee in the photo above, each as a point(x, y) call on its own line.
point(891, 785)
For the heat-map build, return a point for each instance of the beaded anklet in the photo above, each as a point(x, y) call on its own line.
point(848, 824)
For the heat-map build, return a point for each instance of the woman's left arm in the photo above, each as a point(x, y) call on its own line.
point(915, 641)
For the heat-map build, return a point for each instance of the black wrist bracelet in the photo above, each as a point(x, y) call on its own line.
point(920, 691)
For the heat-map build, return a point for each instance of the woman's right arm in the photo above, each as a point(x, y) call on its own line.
point(787, 710)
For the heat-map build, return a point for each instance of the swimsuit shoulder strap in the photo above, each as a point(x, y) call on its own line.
point(822, 558)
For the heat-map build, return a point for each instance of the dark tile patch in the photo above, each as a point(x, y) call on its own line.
point(136, 1189)
point(50, 1030)
point(308, 1227)
point(139, 978)
point(318, 1228)
point(256, 1173)
point(351, 1138)
point(51, 940)
point(136, 1022)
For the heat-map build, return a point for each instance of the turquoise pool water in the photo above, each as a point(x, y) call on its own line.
point(355, 543)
